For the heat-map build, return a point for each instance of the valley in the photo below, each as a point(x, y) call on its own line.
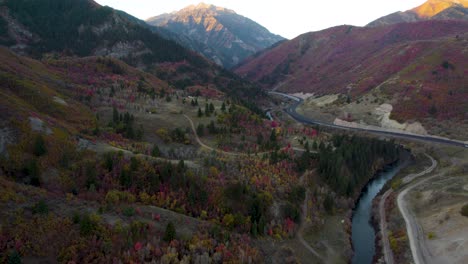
point(199, 136)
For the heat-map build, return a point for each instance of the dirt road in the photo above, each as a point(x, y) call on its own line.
point(388, 254)
point(303, 222)
point(415, 233)
point(237, 154)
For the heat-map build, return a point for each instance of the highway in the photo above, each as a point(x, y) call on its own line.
point(291, 110)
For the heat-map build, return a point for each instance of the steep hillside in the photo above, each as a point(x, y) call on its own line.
point(409, 62)
point(218, 33)
point(432, 9)
point(83, 28)
point(56, 28)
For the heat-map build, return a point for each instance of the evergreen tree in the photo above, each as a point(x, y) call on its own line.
point(273, 136)
point(39, 147)
point(259, 139)
point(223, 107)
point(200, 113)
point(207, 110)
point(170, 232)
point(212, 108)
point(200, 130)
point(254, 229)
point(155, 152)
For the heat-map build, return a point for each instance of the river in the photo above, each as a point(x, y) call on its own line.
point(363, 233)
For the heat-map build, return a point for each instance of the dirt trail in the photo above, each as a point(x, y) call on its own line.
point(415, 233)
point(237, 154)
point(302, 225)
point(102, 147)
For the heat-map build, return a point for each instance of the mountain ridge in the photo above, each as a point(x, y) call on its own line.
point(220, 34)
point(431, 9)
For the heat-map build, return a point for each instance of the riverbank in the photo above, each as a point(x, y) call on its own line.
point(361, 229)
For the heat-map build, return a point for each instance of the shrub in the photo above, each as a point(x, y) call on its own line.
point(129, 211)
point(14, 258)
point(464, 210)
point(292, 212)
point(112, 197)
point(88, 224)
point(431, 235)
point(40, 208)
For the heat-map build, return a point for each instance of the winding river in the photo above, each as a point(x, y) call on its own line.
point(363, 234)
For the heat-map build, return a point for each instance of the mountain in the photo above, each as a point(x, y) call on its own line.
point(432, 9)
point(414, 65)
point(57, 28)
point(83, 28)
point(218, 33)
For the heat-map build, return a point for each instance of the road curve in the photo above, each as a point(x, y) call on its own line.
point(415, 233)
point(291, 110)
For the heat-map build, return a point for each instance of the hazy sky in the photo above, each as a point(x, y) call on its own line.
point(288, 18)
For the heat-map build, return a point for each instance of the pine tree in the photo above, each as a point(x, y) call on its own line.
point(273, 135)
point(200, 130)
point(155, 152)
point(39, 146)
point(207, 110)
point(223, 107)
point(212, 108)
point(200, 113)
point(115, 116)
point(254, 229)
point(170, 232)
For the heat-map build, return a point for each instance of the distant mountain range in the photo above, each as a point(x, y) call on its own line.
point(430, 10)
point(218, 33)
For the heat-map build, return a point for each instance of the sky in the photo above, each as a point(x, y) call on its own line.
point(288, 18)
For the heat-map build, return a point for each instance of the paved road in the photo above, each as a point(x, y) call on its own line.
point(415, 233)
point(291, 110)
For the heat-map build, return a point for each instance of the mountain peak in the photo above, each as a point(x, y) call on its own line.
point(216, 32)
point(204, 6)
point(433, 7)
point(429, 10)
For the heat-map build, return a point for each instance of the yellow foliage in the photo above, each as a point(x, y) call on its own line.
point(396, 183)
point(69, 197)
point(214, 171)
point(112, 197)
point(163, 134)
point(228, 220)
point(145, 198)
point(431, 235)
